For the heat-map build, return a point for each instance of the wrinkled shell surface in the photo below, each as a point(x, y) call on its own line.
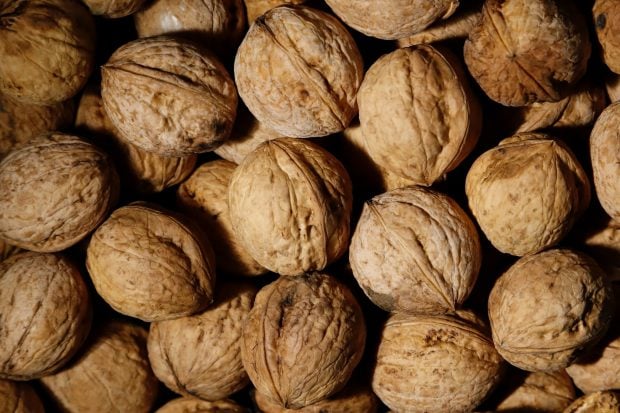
point(148, 264)
point(290, 206)
point(298, 71)
point(256, 8)
point(600, 402)
point(187, 405)
point(18, 397)
point(45, 314)
point(606, 15)
point(605, 154)
point(114, 8)
point(302, 339)
point(538, 392)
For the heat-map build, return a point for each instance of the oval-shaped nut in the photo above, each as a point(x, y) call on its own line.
point(605, 155)
point(526, 51)
point(113, 9)
point(55, 191)
point(168, 96)
point(599, 402)
point(418, 116)
point(47, 49)
point(256, 8)
point(298, 71)
point(290, 206)
point(548, 308)
point(527, 192)
point(439, 364)
point(212, 369)
point(302, 339)
point(149, 264)
point(415, 250)
point(45, 314)
point(192, 405)
point(607, 24)
point(16, 397)
point(114, 368)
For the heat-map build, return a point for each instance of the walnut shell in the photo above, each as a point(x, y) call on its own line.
point(426, 131)
point(16, 397)
point(547, 308)
point(256, 8)
point(290, 206)
point(149, 264)
point(539, 392)
point(298, 363)
point(527, 192)
point(526, 51)
point(168, 96)
point(190, 405)
point(298, 71)
point(45, 314)
point(605, 154)
point(114, 9)
point(434, 364)
point(607, 24)
point(112, 374)
point(599, 402)
point(47, 49)
point(55, 191)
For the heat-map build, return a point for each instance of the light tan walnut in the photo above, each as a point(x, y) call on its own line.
point(192, 405)
point(113, 9)
point(605, 155)
point(599, 402)
point(256, 8)
point(606, 15)
point(16, 397)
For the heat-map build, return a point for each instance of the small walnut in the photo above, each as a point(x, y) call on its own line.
point(290, 206)
point(191, 405)
point(114, 9)
point(302, 339)
point(256, 8)
point(603, 244)
point(298, 71)
point(527, 192)
point(55, 191)
point(606, 15)
point(168, 96)
point(599, 402)
point(149, 264)
point(45, 314)
point(548, 308)
point(605, 154)
point(16, 397)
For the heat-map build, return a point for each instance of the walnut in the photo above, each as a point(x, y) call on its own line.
point(168, 96)
point(527, 192)
point(47, 49)
point(605, 154)
point(295, 362)
point(290, 206)
point(16, 397)
point(298, 71)
point(150, 264)
point(55, 191)
point(599, 402)
point(526, 51)
point(607, 25)
point(548, 308)
point(191, 405)
point(256, 8)
point(45, 314)
point(434, 364)
point(113, 9)
point(112, 374)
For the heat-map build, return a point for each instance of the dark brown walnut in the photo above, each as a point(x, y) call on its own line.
point(606, 15)
point(256, 8)
point(45, 314)
point(111, 375)
point(192, 405)
point(47, 49)
point(16, 397)
point(168, 96)
point(599, 402)
point(605, 155)
point(150, 264)
point(527, 192)
point(113, 9)
point(440, 364)
point(290, 205)
point(549, 308)
point(298, 71)
point(55, 191)
point(303, 339)
point(204, 196)
point(526, 51)
point(212, 369)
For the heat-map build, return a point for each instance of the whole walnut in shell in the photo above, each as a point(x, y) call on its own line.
point(113, 9)
point(607, 24)
point(605, 154)
point(599, 402)
point(192, 405)
point(527, 192)
point(302, 339)
point(298, 71)
point(168, 96)
point(55, 191)
point(526, 51)
point(548, 308)
point(45, 314)
point(150, 264)
point(256, 8)
point(290, 206)
point(47, 49)
point(17, 397)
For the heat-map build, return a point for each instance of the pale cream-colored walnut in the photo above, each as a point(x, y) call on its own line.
point(200, 355)
point(415, 250)
point(439, 364)
point(418, 116)
point(526, 51)
point(303, 339)
point(192, 405)
point(256, 8)
point(605, 155)
point(150, 264)
point(45, 314)
point(599, 402)
point(527, 192)
point(111, 375)
point(113, 9)
point(55, 191)
point(603, 244)
point(204, 196)
point(47, 49)
point(290, 205)
point(16, 397)
point(168, 96)
point(606, 15)
point(298, 71)
point(549, 308)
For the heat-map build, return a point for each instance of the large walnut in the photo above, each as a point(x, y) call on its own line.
point(16, 397)
point(256, 8)
point(605, 154)
point(114, 8)
point(607, 23)
point(192, 405)
point(599, 402)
